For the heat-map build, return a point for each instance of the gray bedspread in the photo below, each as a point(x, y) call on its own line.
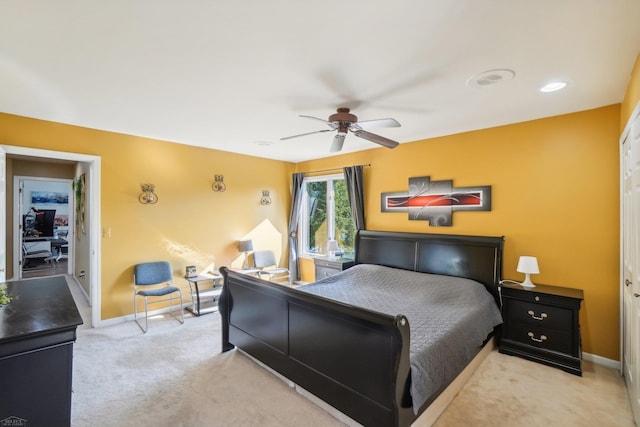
point(449, 317)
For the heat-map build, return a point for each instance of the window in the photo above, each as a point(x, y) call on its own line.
point(326, 215)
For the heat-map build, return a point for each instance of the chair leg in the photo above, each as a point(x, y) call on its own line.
point(181, 320)
point(146, 317)
point(145, 328)
point(181, 308)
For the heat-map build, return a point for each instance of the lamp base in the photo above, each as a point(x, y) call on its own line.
point(245, 264)
point(527, 282)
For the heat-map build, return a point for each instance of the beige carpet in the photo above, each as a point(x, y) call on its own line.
point(175, 376)
point(510, 391)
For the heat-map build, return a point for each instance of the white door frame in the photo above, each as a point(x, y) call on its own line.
point(93, 196)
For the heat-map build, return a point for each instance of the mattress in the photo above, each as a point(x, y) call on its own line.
point(449, 317)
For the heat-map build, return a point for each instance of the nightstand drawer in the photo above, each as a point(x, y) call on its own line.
point(544, 294)
point(324, 272)
point(539, 315)
point(326, 267)
point(549, 339)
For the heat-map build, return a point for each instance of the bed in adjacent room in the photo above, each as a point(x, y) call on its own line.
point(380, 341)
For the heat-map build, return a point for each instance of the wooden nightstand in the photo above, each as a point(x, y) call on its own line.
point(326, 267)
point(542, 324)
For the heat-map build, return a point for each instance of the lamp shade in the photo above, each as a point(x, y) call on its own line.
point(245, 246)
point(332, 246)
point(528, 264)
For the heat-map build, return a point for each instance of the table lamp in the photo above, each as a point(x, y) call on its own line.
point(245, 246)
point(528, 265)
point(332, 248)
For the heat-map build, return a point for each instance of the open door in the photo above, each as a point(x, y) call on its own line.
point(630, 233)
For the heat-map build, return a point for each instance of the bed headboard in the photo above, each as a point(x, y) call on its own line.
point(473, 257)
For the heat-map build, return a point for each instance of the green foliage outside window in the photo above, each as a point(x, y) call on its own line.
point(318, 232)
point(317, 192)
point(345, 228)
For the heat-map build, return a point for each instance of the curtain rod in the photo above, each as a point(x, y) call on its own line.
point(332, 169)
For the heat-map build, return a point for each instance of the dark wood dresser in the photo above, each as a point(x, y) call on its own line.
point(37, 332)
point(542, 324)
point(326, 267)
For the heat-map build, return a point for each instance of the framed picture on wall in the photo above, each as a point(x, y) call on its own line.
point(49, 198)
point(61, 220)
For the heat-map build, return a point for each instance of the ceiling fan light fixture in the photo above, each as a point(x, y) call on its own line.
point(338, 142)
point(343, 122)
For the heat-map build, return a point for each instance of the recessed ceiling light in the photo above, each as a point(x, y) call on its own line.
point(490, 78)
point(553, 86)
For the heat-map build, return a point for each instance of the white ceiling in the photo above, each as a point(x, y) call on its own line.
point(234, 75)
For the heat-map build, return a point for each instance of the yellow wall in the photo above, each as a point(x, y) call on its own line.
point(554, 182)
point(190, 224)
point(631, 96)
point(554, 195)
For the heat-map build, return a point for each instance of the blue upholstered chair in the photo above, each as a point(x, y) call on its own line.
point(154, 280)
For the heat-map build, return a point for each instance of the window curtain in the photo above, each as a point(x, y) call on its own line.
point(294, 216)
point(353, 177)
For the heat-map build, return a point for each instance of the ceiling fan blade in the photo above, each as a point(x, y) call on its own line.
point(378, 123)
point(305, 134)
point(332, 125)
point(337, 143)
point(389, 143)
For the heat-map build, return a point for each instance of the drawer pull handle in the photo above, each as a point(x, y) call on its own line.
point(533, 315)
point(542, 337)
point(627, 282)
point(635, 294)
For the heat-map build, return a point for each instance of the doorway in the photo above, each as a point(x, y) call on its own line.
point(43, 223)
point(87, 248)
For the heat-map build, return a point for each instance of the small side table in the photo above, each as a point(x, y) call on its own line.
point(542, 324)
point(204, 299)
point(326, 267)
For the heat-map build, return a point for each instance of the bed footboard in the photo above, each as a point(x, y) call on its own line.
point(324, 346)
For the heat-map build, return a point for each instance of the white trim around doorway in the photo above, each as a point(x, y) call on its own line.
point(93, 193)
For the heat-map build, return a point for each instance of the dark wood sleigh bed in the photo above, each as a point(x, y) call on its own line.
point(354, 359)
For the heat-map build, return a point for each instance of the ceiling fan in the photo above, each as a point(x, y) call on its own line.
point(344, 121)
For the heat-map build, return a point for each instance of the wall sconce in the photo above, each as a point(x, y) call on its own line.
point(148, 197)
point(218, 186)
point(266, 199)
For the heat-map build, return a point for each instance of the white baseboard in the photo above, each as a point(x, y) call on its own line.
point(599, 360)
point(81, 289)
point(129, 317)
